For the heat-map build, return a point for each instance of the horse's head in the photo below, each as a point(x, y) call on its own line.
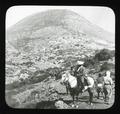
point(64, 78)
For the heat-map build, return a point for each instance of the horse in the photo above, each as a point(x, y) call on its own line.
point(70, 82)
point(88, 84)
point(73, 87)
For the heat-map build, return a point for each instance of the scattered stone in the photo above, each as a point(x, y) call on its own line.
point(61, 105)
point(53, 97)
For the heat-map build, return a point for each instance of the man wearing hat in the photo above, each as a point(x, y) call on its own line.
point(80, 72)
point(100, 83)
point(108, 82)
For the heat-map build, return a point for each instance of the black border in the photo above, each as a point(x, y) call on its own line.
point(4, 5)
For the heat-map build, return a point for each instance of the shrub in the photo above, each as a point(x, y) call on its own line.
point(112, 53)
point(105, 66)
point(90, 62)
point(54, 72)
point(104, 54)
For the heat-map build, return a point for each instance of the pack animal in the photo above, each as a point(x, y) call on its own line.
point(71, 85)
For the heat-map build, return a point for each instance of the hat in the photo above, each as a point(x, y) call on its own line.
point(80, 62)
point(108, 73)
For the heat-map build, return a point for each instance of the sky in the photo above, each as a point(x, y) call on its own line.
point(101, 16)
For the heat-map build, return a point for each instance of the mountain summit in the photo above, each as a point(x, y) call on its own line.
point(47, 26)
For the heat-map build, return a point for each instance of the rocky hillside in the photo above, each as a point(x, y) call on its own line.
point(52, 24)
point(54, 36)
point(41, 46)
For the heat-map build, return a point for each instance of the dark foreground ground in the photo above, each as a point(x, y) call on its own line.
point(45, 103)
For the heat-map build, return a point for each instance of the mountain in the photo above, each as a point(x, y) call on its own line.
point(56, 35)
point(53, 24)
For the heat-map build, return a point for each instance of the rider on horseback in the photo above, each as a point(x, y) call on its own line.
point(80, 73)
point(85, 82)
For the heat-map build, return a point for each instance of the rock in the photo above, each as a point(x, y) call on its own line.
point(24, 76)
point(33, 69)
point(53, 97)
point(61, 105)
point(60, 88)
point(42, 89)
point(51, 89)
point(51, 86)
point(17, 72)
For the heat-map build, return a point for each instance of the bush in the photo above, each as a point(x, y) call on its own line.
point(112, 53)
point(104, 54)
point(54, 72)
point(90, 62)
point(105, 66)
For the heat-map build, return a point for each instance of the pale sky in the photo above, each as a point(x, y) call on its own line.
point(101, 16)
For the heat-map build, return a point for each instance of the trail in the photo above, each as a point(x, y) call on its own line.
point(60, 90)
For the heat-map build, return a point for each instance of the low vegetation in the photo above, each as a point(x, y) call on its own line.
point(104, 54)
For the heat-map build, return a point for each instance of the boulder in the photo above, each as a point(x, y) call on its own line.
point(53, 97)
point(61, 105)
point(60, 88)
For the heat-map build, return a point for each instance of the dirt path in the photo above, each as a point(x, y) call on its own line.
point(82, 103)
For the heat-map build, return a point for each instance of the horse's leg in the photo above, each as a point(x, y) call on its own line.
point(97, 90)
point(73, 98)
point(77, 94)
point(98, 95)
point(105, 97)
point(102, 93)
point(90, 95)
point(105, 94)
point(73, 105)
point(67, 90)
point(77, 97)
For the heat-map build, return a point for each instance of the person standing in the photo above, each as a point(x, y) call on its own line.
point(99, 84)
point(107, 89)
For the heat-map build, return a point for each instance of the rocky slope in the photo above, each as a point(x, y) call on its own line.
point(52, 24)
point(54, 36)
